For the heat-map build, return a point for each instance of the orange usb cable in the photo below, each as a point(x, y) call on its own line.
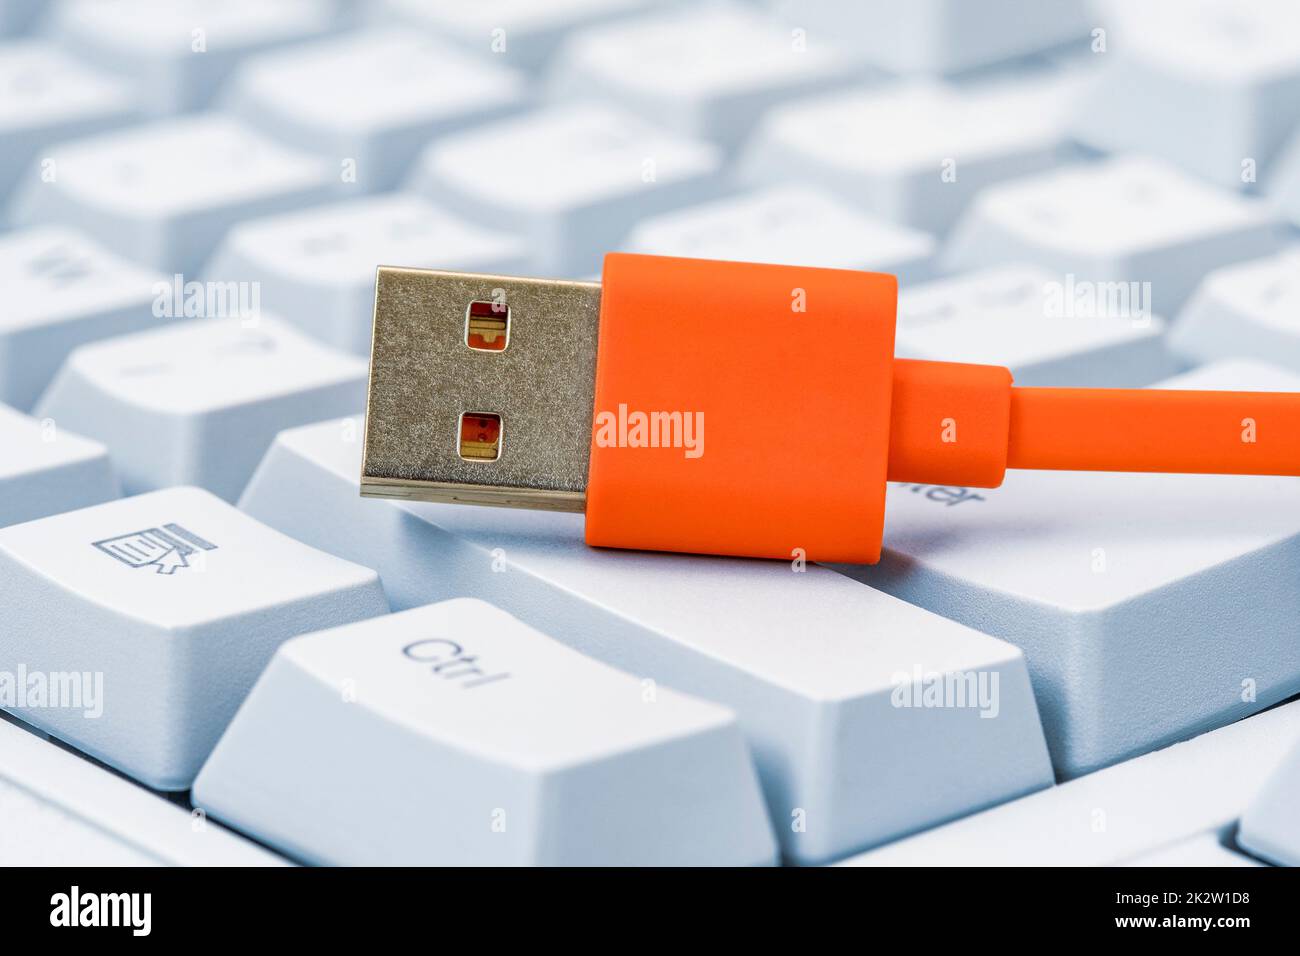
point(738, 408)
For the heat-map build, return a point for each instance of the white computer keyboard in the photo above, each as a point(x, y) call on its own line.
point(214, 651)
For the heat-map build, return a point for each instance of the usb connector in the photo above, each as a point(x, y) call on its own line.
point(481, 389)
point(585, 397)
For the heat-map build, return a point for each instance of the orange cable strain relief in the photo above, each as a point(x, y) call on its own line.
point(785, 376)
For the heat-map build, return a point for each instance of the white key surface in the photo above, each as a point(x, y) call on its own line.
point(316, 268)
point(521, 33)
point(1116, 815)
point(62, 290)
point(1208, 849)
point(1210, 85)
point(198, 402)
point(153, 616)
point(786, 225)
point(454, 734)
point(570, 180)
point(1042, 328)
point(940, 36)
point(59, 809)
point(828, 677)
point(1247, 310)
point(916, 153)
point(706, 71)
point(1270, 827)
point(163, 194)
point(47, 96)
point(1150, 607)
point(1128, 219)
point(369, 101)
point(178, 52)
point(45, 470)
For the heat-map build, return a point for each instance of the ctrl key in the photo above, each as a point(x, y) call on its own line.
point(133, 629)
point(454, 734)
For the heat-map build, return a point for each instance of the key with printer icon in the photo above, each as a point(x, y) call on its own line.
point(167, 548)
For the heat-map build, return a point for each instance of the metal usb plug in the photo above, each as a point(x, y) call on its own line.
point(481, 389)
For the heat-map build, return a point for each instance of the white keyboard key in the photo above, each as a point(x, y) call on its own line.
point(45, 470)
point(18, 15)
point(177, 52)
point(61, 291)
point(572, 180)
point(165, 193)
point(47, 96)
point(521, 33)
point(1211, 85)
point(915, 153)
point(706, 72)
point(195, 597)
point(316, 268)
point(1205, 850)
point(939, 36)
point(1248, 310)
point(1270, 827)
point(1130, 219)
point(454, 735)
point(1037, 326)
point(59, 809)
point(820, 670)
point(789, 225)
point(1150, 607)
point(198, 402)
point(370, 101)
point(1118, 814)
point(1283, 184)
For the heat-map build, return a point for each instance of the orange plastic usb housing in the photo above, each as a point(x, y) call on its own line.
point(737, 408)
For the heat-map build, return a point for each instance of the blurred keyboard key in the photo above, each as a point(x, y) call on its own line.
point(915, 153)
point(1270, 827)
point(45, 470)
point(828, 677)
point(1247, 310)
point(369, 101)
point(62, 290)
point(1211, 85)
point(16, 16)
point(1035, 325)
point(1142, 626)
point(177, 52)
point(198, 402)
point(1131, 220)
point(454, 735)
point(165, 194)
point(47, 96)
point(1147, 805)
point(939, 36)
point(571, 180)
point(706, 72)
point(59, 809)
point(316, 268)
point(788, 225)
point(520, 33)
point(152, 617)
